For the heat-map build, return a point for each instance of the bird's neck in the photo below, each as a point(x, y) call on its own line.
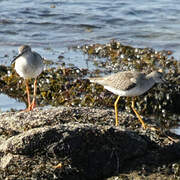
point(150, 79)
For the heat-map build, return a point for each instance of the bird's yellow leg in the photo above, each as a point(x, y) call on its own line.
point(116, 111)
point(33, 104)
point(137, 114)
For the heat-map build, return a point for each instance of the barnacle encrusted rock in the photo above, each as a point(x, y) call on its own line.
point(33, 144)
point(70, 86)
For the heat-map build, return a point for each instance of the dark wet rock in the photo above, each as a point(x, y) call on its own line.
point(118, 57)
point(85, 144)
point(94, 151)
point(3, 70)
point(69, 86)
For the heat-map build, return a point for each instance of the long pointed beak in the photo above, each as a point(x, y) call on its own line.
point(16, 57)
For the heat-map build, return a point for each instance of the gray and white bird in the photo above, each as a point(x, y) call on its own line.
point(129, 84)
point(28, 64)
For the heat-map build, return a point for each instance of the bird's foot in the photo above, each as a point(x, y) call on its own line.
point(144, 125)
point(32, 105)
point(152, 128)
point(26, 110)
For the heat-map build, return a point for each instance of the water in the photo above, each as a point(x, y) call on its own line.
point(176, 130)
point(8, 103)
point(52, 26)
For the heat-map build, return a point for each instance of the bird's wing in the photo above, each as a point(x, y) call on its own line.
point(36, 54)
point(122, 80)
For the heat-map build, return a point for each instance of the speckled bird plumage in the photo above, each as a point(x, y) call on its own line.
point(129, 83)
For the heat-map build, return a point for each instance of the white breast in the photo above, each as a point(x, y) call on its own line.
point(26, 69)
point(132, 92)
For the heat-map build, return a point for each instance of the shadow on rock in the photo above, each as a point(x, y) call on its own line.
point(50, 149)
point(97, 153)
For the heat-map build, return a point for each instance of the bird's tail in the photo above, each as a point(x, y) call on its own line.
point(96, 80)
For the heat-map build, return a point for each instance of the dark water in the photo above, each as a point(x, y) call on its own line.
point(176, 129)
point(50, 26)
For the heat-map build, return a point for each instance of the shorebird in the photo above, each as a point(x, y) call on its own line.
point(129, 84)
point(28, 64)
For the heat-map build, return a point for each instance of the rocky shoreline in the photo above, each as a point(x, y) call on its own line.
point(77, 138)
point(83, 143)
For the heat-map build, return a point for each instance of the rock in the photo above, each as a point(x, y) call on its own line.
point(5, 160)
point(58, 143)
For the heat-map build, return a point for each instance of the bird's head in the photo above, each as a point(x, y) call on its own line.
point(24, 48)
point(158, 76)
